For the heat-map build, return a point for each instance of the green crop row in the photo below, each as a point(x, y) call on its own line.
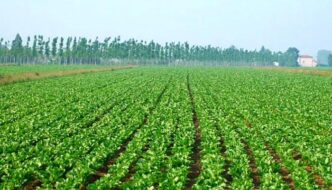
point(168, 128)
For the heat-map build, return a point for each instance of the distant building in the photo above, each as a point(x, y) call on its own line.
point(276, 64)
point(322, 57)
point(307, 61)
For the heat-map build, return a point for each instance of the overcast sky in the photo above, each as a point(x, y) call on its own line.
point(276, 24)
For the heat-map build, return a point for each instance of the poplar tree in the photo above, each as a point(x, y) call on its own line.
point(40, 45)
point(83, 50)
point(96, 51)
point(74, 51)
point(27, 51)
point(47, 48)
point(61, 49)
point(17, 48)
point(54, 46)
point(34, 49)
point(67, 52)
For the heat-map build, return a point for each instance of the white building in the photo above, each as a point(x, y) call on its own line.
point(307, 61)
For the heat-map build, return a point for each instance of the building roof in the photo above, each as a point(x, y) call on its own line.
point(305, 56)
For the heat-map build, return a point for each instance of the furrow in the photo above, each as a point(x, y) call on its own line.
point(195, 167)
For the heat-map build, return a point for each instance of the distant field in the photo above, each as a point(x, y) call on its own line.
point(319, 71)
point(167, 128)
point(16, 73)
point(16, 69)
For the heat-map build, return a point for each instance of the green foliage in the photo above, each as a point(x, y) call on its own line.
point(54, 46)
point(40, 45)
point(291, 57)
point(17, 47)
point(114, 50)
point(34, 47)
point(47, 48)
point(136, 128)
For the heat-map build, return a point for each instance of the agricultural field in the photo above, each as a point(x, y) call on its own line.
point(167, 128)
point(18, 73)
point(19, 69)
point(319, 71)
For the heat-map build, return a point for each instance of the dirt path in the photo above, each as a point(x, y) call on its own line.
point(195, 168)
point(9, 79)
point(317, 72)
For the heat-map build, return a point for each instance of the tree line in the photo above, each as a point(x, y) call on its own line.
point(74, 50)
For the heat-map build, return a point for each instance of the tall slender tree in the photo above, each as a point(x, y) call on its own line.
point(27, 51)
point(17, 48)
point(47, 49)
point(83, 50)
point(40, 44)
point(34, 49)
point(61, 49)
point(68, 51)
point(54, 46)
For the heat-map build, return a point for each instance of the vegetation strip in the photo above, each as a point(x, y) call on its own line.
point(8, 79)
point(316, 177)
point(132, 167)
point(56, 143)
point(295, 170)
point(227, 165)
point(168, 153)
point(100, 173)
point(119, 152)
point(111, 160)
point(255, 175)
point(50, 103)
point(103, 113)
point(172, 140)
point(87, 125)
point(195, 167)
point(283, 170)
point(253, 166)
point(252, 162)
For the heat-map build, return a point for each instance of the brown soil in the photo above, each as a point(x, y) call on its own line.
point(132, 167)
point(172, 137)
point(319, 180)
point(195, 167)
point(33, 185)
point(316, 177)
point(227, 165)
point(284, 172)
point(253, 166)
point(102, 171)
point(297, 156)
point(248, 124)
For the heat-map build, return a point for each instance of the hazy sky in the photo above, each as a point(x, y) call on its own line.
point(276, 24)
